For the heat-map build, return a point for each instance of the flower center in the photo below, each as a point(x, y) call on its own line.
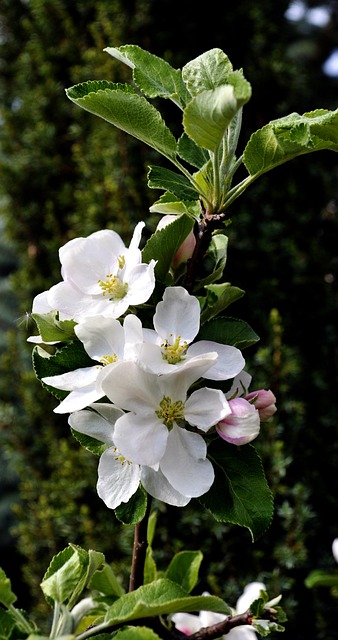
point(120, 458)
point(108, 359)
point(113, 287)
point(169, 412)
point(174, 353)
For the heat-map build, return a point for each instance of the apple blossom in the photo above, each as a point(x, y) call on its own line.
point(176, 324)
point(335, 549)
point(242, 425)
point(100, 276)
point(106, 341)
point(152, 433)
point(264, 400)
point(118, 478)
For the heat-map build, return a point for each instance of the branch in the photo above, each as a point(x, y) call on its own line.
point(139, 551)
point(222, 628)
point(206, 226)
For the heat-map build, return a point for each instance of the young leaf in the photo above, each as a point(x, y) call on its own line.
point(153, 76)
point(240, 493)
point(51, 329)
point(72, 356)
point(7, 597)
point(133, 633)
point(286, 138)
point(168, 204)
point(158, 598)
point(217, 255)
point(7, 624)
point(105, 581)
point(127, 111)
point(218, 298)
point(208, 115)
point(208, 71)
point(164, 243)
point(63, 575)
point(231, 331)
point(184, 568)
point(89, 443)
point(189, 151)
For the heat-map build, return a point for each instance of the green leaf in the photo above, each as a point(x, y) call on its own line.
point(158, 598)
point(231, 331)
point(208, 115)
point(134, 510)
point(7, 625)
point(240, 493)
point(70, 357)
point(160, 178)
point(320, 578)
point(105, 581)
point(286, 138)
point(150, 569)
point(127, 111)
point(206, 72)
point(218, 298)
point(168, 204)
point(189, 151)
point(163, 245)
point(89, 443)
point(135, 633)
point(217, 255)
point(184, 568)
point(51, 329)
point(153, 76)
point(7, 597)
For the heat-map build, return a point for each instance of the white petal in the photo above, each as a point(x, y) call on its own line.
point(204, 408)
point(101, 336)
point(133, 335)
point(87, 260)
point(187, 623)
point(141, 283)
point(131, 388)
point(178, 314)
point(240, 385)
point(178, 382)
point(94, 425)
point(141, 439)
point(41, 304)
point(185, 465)
point(73, 379)
point(335, 549)
point(229, 362)
point(118, 480)
point(79, 399)
point(158, 487)
point(136, 239)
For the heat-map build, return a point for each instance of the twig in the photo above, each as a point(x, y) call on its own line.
point(139, 551)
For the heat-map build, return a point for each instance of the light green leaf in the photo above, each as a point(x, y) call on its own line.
point(153, 76)
point(232, 331)
point(158, 598)
point(89, 443)
point(127, 111)
point(163, 245)
point(51, 329)
point(240, 493)
point(320, 578)
point(161, 178)
point(218, 298)
point(134, 510)
point(286, 138)
point(208, 115)
point(105, 581)
point(135, 633)
point(150, 569)
point(184, 568)
point(206, 72)
point(168, 204)
point(7, 625)
point(7, 597)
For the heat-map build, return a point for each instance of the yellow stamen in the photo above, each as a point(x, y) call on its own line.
point(174, 353)
point(108, 359)
point(169, 412)
point(113, 287)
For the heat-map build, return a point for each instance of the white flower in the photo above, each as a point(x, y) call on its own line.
point(335, 549)
point(177, 322)
point(118, 478)
point(188, 623)
point(106, 341)
point(152, 433)
point(100, 277)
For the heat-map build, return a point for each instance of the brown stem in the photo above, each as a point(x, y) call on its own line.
point(222, 628)
point(206, 226)
point(139, 551)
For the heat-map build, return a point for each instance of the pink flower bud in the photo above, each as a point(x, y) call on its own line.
point(242, 424)
point(264, 401)
point(187, 247)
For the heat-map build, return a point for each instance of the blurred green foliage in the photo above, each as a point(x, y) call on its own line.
point(66, 173)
